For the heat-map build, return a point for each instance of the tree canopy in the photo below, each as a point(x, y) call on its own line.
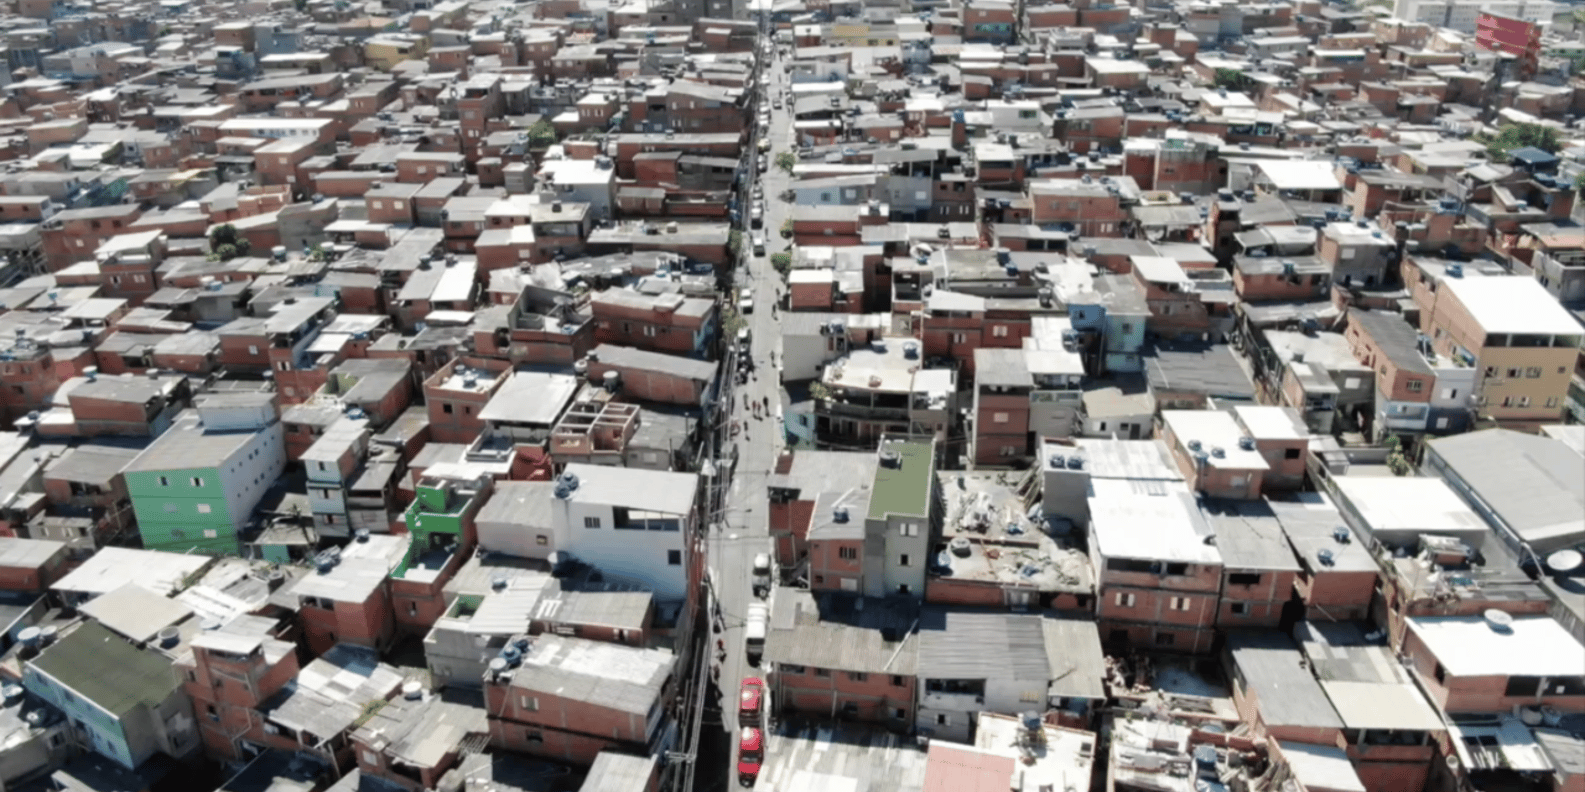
point(226, 244)
point(541, 134)
point(1518, 136)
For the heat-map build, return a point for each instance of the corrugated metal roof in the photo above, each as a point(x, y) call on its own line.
point(955, 644)
point(841, 632)
point(604, 675)
point(1271, 667)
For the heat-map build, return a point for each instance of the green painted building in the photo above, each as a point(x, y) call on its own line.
point(125, 703)
point(902, 518)
point(195, 487)
point(440, 518)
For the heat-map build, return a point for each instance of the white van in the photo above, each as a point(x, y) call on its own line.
point(756, 624)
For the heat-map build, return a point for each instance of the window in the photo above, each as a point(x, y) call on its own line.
point(197, 481)
point(1526, 686)
point(1533, 372)
point(858, 677)
point(445, 408)
point(412, 609)
point(1244, 579)
point(904, 588)
point(530, 703)
point(542, 540)
point(941, 720)
point(848, 553)
point(823, 673)
point(1441, 673)
point(1000, 417)
point(1291, 453)
point(999, 331)
point(1239, 608)
point(1178, 603)
point(1415, 386)
point(909, 529)
point(897, 681)
point(1552, 402)
point(253, 350)
point(1524, 401)
point(1123, 600)
point(902, 560)
point(165, 481)
point(1513, 373)
point(204, 508)
point(674, 557)
point(1165, 639)
point(788, 668)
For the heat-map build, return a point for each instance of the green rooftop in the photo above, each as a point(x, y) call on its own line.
point(904, 488)
point(103, 668)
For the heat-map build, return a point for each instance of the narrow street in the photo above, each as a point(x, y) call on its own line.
point(742, 529)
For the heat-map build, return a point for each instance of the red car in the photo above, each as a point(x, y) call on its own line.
point(750, 754)
point(750, 701)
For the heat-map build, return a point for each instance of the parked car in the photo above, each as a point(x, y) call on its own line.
point(759, 244)
point(750, 755)
point(745, 300)
point(755, 625)
point(761, 575)
point(757, 215)
point(751, 701)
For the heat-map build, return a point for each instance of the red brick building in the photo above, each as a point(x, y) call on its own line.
point(534, 710)
point(669, 323)
point(1510, 35)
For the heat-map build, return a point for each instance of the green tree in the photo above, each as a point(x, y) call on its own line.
point(225, 244)
point(541, 134)
point(1517, 136)
point(731, 322)
point(787, 228)
point(819, 391)
point(786, 160)
point(1231, 79)
point(1398, 461)
point(781, 261)
point(734, 243)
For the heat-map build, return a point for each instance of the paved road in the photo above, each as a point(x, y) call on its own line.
point(744, 530)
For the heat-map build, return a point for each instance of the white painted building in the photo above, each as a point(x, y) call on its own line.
point(631, 524)
point(1460, 15)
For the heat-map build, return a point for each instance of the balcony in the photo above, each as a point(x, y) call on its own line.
point(1071, 398)
point(864, 412)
